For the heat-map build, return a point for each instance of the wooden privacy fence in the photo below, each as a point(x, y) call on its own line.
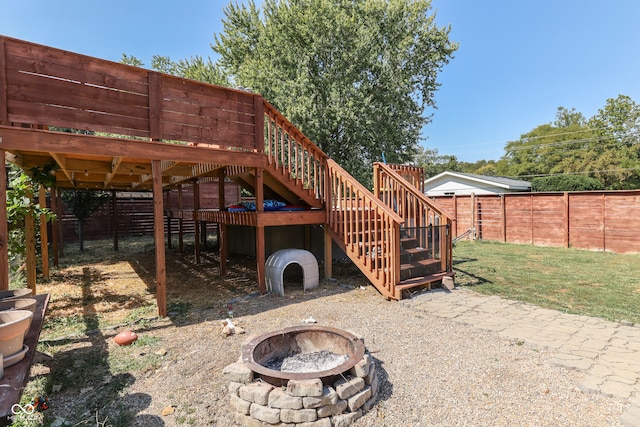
point(601, 221)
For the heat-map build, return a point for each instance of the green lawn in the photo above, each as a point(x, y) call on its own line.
point(597, 284)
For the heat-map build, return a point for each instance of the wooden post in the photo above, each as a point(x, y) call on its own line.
point(158, 236)
point(473, 216)
point(55, 223)
point(503, 213)
point(4, 225)
point(222, 234)
point(114, 209)
point(60, 228)
point(531, 208)
point(261, 259)
point(30, 243)
point(44, 236)
point(567, 232)
point(455, 216)
point(328, 248)
point(180, 222)
point(196, 216)
point(169, 219)
point(604, 224)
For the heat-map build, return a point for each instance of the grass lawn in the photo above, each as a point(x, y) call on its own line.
point(575, 281)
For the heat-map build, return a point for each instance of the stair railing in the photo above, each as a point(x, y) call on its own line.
point(292, 154)
point(415, 209)
point(368, 230)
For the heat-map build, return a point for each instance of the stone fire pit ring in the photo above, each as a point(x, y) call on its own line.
point(257, 352)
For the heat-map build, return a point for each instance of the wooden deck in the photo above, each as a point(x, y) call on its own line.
point(147, 131)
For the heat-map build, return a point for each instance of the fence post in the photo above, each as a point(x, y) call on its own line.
point(473, 216)
point(503, 212)
point(567, 235)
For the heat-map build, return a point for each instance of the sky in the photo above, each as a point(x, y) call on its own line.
point(518, 61)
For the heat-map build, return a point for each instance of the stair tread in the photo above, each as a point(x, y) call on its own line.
point(420, 263)
point(419, 281)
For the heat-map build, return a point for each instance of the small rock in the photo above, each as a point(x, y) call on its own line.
point(168, 410)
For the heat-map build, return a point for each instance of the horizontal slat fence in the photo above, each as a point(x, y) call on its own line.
point(135, 214)
point(599, 221)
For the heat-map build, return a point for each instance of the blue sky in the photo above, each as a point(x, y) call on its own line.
point(517, 63)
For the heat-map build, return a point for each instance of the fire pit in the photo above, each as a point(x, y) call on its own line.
point(302, 374)
point(302, 348)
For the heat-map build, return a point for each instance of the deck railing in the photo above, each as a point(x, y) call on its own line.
point(415, 209)
point(369, 230)
point(413, 174)
point(292, 155)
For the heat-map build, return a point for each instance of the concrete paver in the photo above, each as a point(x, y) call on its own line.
point(609, 352)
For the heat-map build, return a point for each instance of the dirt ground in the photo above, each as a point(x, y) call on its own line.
point(172, 374)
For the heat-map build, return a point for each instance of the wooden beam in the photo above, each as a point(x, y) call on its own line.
point(4, 225)
point(158, 236)
point(14, 138)
point(44, 236)
point(62, 164)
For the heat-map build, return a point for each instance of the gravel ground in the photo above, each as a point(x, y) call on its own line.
point(433, 372)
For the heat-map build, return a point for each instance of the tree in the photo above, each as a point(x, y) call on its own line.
point(82, 204)
point(355, 76)
point(433, 163)
point(565, 183)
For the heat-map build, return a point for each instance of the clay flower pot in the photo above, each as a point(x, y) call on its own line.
point(15, 293)
point(18, 304)
point(13, 326)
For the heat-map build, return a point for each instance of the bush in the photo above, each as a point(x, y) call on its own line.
point(566, 183)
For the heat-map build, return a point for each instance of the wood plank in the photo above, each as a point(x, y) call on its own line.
point(51, 115)
point(39, 89)
point(220, 120)
point(47, 60)
point(181, 132)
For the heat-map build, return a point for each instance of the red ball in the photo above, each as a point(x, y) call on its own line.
point(125, 338)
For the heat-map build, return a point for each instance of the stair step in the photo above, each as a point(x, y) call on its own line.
point(414, 254)
point(422, 282)
point(419, 268)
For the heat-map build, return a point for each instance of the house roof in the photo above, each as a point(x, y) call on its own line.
point(498, 181)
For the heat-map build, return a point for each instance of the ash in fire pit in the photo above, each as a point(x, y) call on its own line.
point(308, 362)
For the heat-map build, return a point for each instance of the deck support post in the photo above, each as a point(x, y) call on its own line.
point(261, 259)
point(328, 253)
point(44, 236)
point(222, 244)
point(114, 215)
point(30, 243)
point(196, 214)
point(158, 237)
point(54, 225)
point(4, 227)
point(180, 222)
point(169, 219)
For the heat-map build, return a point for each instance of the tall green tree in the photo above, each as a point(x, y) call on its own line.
point(615, 153)
point(355, 76)
point(82, 204)
point(434, 163)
